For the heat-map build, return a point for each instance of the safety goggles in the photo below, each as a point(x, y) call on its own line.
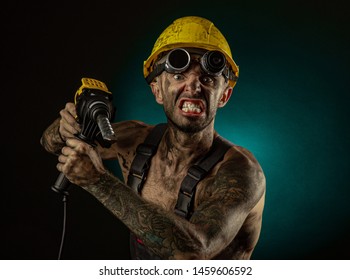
point(178, 60)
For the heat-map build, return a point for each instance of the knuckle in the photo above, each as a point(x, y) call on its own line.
point(80, 148)
point(62, 112)
point(83, 148)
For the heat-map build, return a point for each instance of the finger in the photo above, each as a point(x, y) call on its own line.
point(59, 167)
point(62, 159)
point(96, 160)
point(70, 107)
point(68, 122)
point(66, 151)
point(67, 131)
point(77, 145)
point(68, 116)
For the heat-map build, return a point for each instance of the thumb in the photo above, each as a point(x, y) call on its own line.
point(96, 160)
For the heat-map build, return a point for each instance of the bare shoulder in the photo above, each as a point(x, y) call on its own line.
point(238, 179)
point(242, 170)
point(229, 204)
point(130, 131)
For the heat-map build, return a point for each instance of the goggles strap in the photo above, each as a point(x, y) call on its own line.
point(229, 75)
point(158, 69)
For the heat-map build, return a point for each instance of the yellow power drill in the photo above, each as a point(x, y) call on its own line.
point(95, 110)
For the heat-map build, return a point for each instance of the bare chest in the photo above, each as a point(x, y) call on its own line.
point(162, 188)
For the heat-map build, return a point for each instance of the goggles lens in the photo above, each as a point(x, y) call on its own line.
point(178, 61)
point(214, 62)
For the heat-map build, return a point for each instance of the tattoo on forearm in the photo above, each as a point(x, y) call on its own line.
point(160, 232)
point(168, 235)
point(51, 139)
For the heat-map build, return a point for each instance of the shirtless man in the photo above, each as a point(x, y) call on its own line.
point(228, 203)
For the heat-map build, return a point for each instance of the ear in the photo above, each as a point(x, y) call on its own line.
point(157, 92)
point(225, 97)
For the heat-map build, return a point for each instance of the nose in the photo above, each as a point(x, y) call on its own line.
point(193, 83)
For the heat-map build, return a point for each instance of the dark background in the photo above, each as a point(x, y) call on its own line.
point(290, 108)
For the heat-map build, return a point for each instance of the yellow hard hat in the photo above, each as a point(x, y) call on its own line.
point(191, 32)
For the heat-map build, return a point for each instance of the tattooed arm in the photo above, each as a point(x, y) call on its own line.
point(54, 137)
point(235, 189)
point(51, 139)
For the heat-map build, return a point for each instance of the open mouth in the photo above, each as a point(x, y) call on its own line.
point(191, 106)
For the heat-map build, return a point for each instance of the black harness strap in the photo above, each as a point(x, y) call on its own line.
point(144, 152)
point(142, 160)
point(195, 173)
point(184, 206)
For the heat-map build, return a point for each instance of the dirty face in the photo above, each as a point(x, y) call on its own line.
point(190, 99)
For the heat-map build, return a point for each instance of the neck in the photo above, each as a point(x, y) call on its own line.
point(179, 148)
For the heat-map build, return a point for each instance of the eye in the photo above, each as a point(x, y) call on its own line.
point(208, 80)
point(178, 77)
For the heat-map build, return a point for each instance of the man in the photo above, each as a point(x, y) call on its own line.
point(191, 74)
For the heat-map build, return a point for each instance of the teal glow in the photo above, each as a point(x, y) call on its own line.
point(289, 109)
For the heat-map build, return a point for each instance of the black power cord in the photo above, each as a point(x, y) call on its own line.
point(64, 200)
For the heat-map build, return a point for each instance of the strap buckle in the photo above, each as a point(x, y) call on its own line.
point(135, 181)
point(196, 172)
point(146, 149)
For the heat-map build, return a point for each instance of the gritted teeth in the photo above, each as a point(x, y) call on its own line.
point(191, 107)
